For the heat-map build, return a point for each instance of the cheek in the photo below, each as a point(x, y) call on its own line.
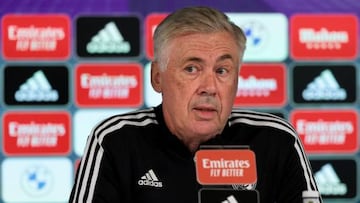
point(173, 89)
point(180, 86)
point(174, 85)
point(233, 90)
point(229, 93)
point(233, 86)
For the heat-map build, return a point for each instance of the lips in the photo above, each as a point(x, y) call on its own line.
point(204, 109)
point(205, 112)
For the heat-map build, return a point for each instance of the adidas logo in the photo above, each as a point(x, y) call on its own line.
point(150, 179)
point(324, 87)
point(230, 199)
point(108, 40)
point(37, 88)
point(329, 182)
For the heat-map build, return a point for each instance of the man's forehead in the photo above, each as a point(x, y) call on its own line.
point(219, 58)
point(201, 46)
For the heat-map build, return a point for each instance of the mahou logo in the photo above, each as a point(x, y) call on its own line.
point(323, 36)
point(45, 133)
point(327, 131)
point(36, 37)
point(261, 85)
point(152, 21)
point(101, 85)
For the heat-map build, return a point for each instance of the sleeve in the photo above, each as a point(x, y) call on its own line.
point(298, 183)
point(95, 180)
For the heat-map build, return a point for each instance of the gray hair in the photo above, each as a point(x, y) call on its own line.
point(194, 20)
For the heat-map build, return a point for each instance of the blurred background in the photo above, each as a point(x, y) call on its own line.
point(65, 65)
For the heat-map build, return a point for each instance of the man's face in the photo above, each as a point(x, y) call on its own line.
point(199, 84)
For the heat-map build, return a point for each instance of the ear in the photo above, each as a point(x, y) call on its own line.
point(155, 76)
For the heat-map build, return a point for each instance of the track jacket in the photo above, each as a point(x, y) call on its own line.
point(133, 158)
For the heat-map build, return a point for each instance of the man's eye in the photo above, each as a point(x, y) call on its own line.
point(191, 69)
point(222, 71)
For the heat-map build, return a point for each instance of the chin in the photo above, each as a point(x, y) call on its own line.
point(208, 134)
point(206, 128)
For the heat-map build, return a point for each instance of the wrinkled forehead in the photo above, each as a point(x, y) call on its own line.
point(220, 43)
point(199, 40)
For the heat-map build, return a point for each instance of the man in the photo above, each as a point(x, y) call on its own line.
point(148, 155)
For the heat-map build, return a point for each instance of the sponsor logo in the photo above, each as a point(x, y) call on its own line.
point(329, 131)
point(328, 181)
point(151, 22)
point(109, 85)
point(36, 85)
point(266, 33)
point(45, 133)
point(323, 36)
point(108, 40)
point(324, 84)
point(150, 179)
point(36, 36)
point(36, 179)
point(36, 88)
point(261, 85)
point(336, 179)
point(108, 36)
point(324, 87)
point(217, 167)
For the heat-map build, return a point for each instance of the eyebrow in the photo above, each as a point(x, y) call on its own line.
point(224, 57)
point(221, 58)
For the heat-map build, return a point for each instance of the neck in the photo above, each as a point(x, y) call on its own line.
point(192, 146)
point(193, 143)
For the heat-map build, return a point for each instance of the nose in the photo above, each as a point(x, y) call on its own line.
point(208, 84)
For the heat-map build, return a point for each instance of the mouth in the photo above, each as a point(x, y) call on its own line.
point(210, 109)
point(205, 112)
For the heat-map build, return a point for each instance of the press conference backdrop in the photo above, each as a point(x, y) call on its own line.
point(65, 65)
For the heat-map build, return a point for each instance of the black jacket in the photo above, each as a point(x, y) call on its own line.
point(133, 158)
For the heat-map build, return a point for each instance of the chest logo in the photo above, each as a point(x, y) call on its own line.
point(150, 179)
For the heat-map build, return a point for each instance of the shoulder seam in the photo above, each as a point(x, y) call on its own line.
point(261, 119)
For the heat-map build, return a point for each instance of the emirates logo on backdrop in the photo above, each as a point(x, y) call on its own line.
point(36, 36)
point(109, 85)
point(45, 133)
point(327, 131)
